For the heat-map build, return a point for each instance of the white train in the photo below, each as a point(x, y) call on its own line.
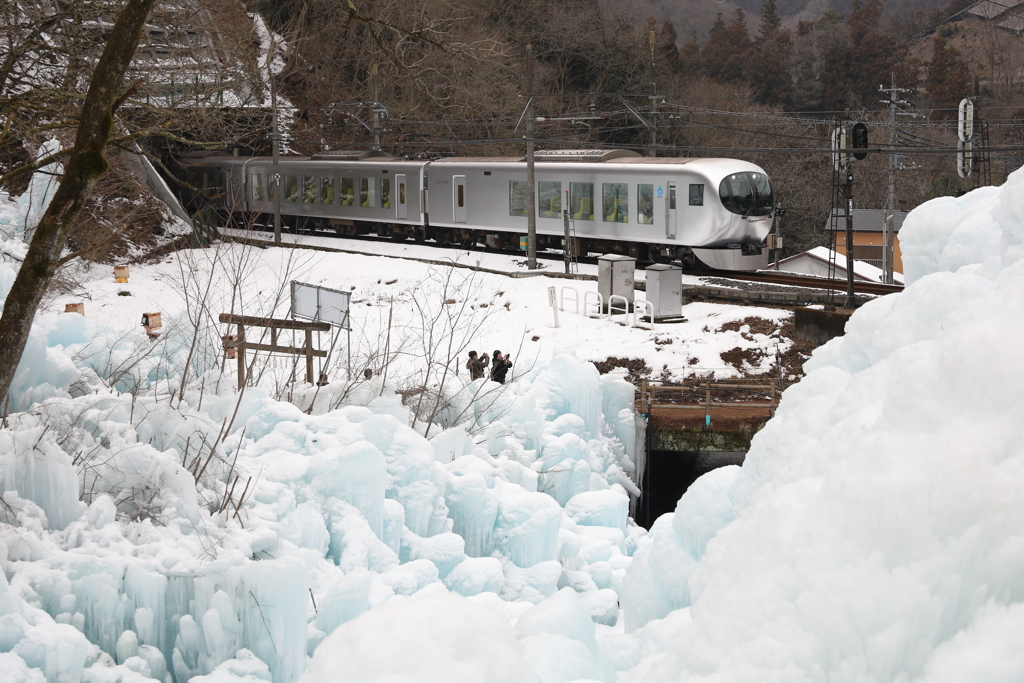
point(654, 208)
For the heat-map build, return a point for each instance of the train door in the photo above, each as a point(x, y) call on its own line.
point(403, 206)
point(459, 198)
point(670, 214)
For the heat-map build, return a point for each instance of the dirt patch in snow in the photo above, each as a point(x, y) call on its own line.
point(637, 369)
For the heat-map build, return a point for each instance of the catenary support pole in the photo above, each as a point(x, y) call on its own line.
point(848, 197)
point(568, 238)
point(277, 169)
point(375, 94)
point(652, 151)
point(531, 205)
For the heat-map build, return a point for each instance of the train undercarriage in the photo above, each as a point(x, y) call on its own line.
point(737, 257)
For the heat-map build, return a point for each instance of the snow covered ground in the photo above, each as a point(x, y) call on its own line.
point(509, 313)
point(153, 532)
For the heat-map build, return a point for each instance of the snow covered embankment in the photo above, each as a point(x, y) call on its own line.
point(875, 531)
point(342, 512)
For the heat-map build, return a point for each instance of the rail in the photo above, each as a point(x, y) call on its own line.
point(575, 300)
point(647, 307)
point(804, 281)
point(612, 307)
point(586, 303)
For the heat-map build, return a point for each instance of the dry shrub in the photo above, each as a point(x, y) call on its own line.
point(637, 369)
point(122, 221)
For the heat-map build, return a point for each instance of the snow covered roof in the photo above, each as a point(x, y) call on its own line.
point(861, 270)
point(989, 9)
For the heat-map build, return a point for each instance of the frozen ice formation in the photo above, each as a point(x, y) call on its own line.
point(873, 533)
point(141, 540)
point(436, 636)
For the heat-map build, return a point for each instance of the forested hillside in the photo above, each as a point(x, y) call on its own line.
point(448, 77)
point(698, 15)
point(451, 78)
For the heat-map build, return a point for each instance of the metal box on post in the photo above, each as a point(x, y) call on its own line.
point(665, 289)
point(615, 276)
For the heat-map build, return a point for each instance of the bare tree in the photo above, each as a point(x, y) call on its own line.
point(84, 167)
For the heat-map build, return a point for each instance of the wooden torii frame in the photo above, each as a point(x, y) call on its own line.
point(274, 324)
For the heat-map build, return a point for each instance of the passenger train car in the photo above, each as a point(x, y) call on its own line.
point(718, 211)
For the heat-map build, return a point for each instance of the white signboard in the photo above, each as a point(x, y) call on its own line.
point(321, 303)
point(553, 301)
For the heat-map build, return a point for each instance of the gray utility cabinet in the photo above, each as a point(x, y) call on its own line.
point(615, 275)
point(665, 289)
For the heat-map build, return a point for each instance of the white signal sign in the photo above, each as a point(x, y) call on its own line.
point(965, 124)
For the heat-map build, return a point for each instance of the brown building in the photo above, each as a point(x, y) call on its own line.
point(868, 236)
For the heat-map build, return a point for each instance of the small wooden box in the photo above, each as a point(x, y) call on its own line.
point(75, 308)
point(121, 274)
point(152, 323)
point(230, 345)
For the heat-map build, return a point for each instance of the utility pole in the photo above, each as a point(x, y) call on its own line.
point(531, 206)
point(276, 153)
point(889, 224)
point(375, 96)
point(568, 235)
point(848, 198)
point(652, 150)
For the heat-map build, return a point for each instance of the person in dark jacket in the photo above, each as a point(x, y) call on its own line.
point(500, 367)
point(476, 366)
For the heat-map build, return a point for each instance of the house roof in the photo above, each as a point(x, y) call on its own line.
point(866, 220)
point(989, 9)
point(861, 270)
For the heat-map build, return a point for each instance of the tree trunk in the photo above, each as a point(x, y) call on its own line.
point(84, 167)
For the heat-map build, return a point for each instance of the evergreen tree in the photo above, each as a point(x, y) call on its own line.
point(948, 80)
point(770, 23)
point(769, 73)
point(727, 53)
point(855, 69)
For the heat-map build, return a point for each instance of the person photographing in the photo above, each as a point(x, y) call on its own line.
point(500, 366)
point(476, 366)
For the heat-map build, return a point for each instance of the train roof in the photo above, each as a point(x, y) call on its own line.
point(546, 160)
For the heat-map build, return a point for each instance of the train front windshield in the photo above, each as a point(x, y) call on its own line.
point(747, 193)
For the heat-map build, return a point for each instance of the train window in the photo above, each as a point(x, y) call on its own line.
point(697, 194)
point(214, 183)
point(581, 201)
point(368, 192)
point(348, 191)
point(549, 196)
point(747, 193)
point(461, 196)
point(256, 180)
point(401, 193)
point(308, 189)
point(517, 197)
point(385, 193)
point(326, 189)
point(291, 188)
point(645, 204)
point(616, 202)
point(271, 187)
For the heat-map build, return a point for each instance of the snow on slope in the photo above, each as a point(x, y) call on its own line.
point(875, 531)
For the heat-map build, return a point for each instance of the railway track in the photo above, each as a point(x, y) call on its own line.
point(775, 278)
point(790, 279)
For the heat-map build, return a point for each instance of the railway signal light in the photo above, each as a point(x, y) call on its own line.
point(965, 124)
point(840, 158)
point(964, 158)
point(860, 141)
